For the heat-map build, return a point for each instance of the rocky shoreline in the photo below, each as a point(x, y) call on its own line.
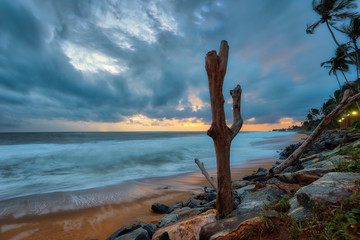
point(326, 175)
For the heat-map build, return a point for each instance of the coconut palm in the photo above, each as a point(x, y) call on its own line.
point(331, 11)
point(353, 32)
point(338, 63)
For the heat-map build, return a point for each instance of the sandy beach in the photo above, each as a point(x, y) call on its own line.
point(101, 217)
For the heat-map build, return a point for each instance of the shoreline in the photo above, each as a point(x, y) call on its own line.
point(98, 222)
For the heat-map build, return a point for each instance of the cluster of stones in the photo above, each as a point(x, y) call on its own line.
point(313, 181)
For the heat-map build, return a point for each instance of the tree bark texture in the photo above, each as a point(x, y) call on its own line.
point(346, 102)
point(221, 134)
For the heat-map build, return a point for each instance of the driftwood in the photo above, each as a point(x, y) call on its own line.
point(206, 174)
point(346, 102)
point(221, 134)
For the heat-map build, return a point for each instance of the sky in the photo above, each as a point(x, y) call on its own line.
point(139, 65)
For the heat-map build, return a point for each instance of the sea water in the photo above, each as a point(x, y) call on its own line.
point(40, 163)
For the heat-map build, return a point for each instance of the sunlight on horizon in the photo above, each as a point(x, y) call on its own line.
point(141, 123)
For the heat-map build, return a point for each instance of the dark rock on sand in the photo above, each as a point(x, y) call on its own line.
point(138, 234)
point(179, 204)
point(176, 215)
point(139, 231)
point(161, 208)
point(195, 203)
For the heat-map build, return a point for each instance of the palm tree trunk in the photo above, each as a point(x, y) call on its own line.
point(338, 44)
point(337, 78)
point(357, 58)
point(346, 80)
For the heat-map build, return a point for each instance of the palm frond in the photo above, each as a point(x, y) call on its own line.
point(342, 5)
point(310, 29)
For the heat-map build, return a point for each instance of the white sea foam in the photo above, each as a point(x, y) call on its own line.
point(39, 167)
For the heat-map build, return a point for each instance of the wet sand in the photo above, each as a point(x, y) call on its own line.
point(101, 217)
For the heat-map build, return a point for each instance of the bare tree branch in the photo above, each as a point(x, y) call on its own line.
point(206, 174)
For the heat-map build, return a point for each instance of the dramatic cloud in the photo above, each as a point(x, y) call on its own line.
point(103, 62)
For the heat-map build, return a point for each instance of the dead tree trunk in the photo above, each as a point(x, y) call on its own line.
point(221, 134)
point(346, 102)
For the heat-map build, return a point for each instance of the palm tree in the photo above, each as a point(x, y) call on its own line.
point(353, 32)
point(331, 11)
point(338, 63)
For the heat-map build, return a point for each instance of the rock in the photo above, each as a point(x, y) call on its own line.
point(255, 201)
point(161, 208)
point(242, 192)
point(272, 181)
point(149, 227)
point(178, 205)
point(287, 188)
point(289, 150)
point(195, 203)
point(235, 227)
point(331, 188)
point(290, 169)
point(177, 215)
point(201, 196)
point(261, 171)
point(122, 231)
point(187, 229)
point(302, 178)
point(211, 204)
point(356, 144)
point(210, 194)
point(138, 234)
point(139, 231)
point(297, 211)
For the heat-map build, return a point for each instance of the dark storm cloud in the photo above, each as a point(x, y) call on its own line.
point(105, 60)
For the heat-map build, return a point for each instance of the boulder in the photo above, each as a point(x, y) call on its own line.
point(195, 203)
point(187, 229)
point(179, 204)
point(331, 188)
point(138, 234)
point(287, 188)
point(177, 215)
point(255, 201)
point(161, 208)
point(242, 192)
point(272, 181)
point(138, 231)
point(298, 178)
point(235, 227)
point(297, 211)
point(261, 171)
point(290, 169)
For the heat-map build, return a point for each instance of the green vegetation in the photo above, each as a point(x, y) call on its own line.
point(338, 221)
point(353, 164)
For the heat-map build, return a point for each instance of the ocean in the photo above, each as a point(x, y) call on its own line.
point(38, 165)
point(34, 163)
